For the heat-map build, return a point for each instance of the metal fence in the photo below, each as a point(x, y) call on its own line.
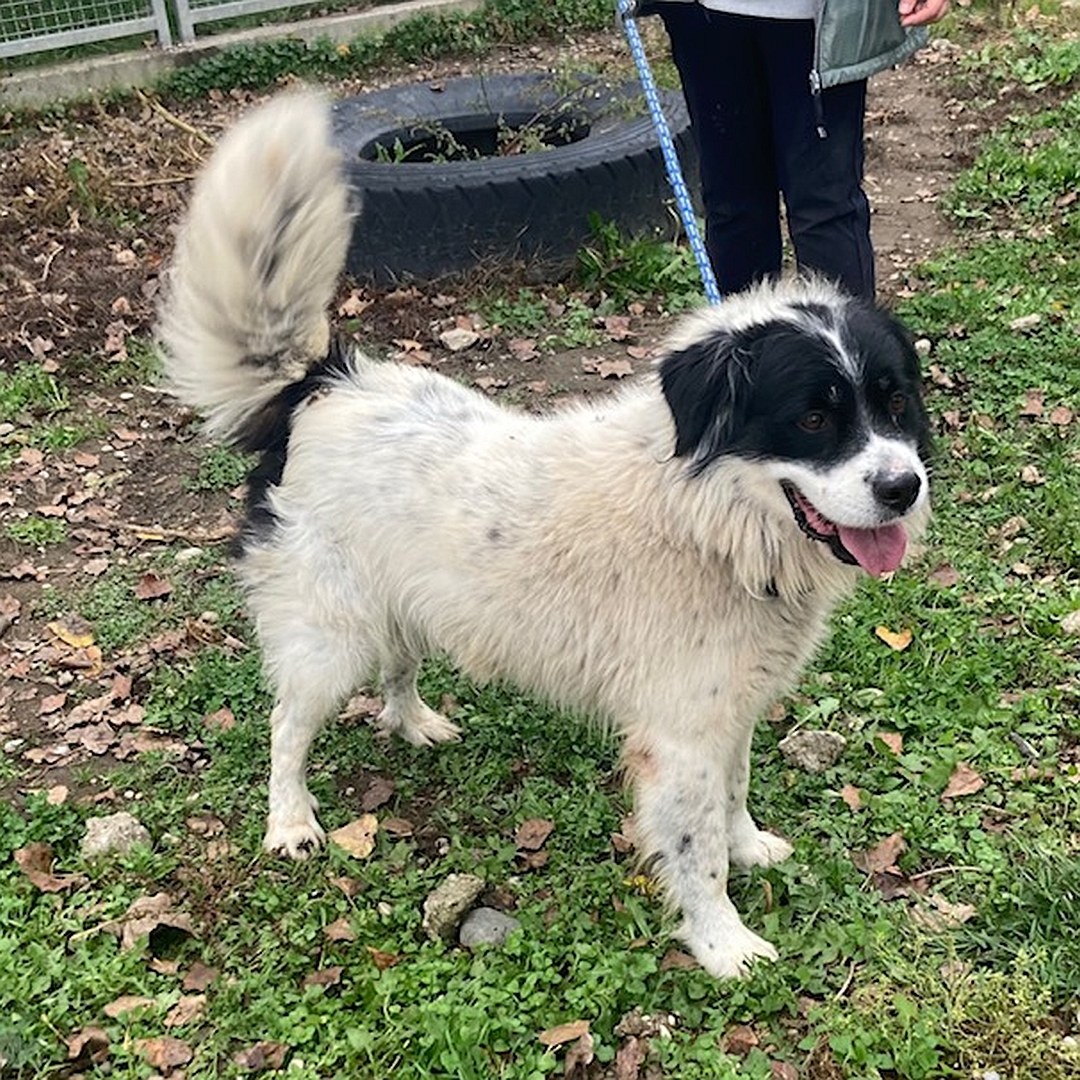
point(28, 26)
point(191, 12)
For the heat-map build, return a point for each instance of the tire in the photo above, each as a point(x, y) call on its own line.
point(422, 220)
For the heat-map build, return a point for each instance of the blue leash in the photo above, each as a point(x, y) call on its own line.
point(667, 148)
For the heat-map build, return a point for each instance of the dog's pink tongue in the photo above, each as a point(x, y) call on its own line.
point(877, 551)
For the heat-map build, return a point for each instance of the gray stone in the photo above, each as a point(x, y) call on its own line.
point(486, 926)
point(446, 906)
point(813, 751)
point(115, 834)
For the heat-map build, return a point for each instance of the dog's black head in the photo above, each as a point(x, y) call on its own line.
point(824, 392)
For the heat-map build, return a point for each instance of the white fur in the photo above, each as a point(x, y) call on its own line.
point(571, 554)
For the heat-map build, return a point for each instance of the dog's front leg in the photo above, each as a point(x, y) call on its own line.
point(683, 817)
point(750, 846)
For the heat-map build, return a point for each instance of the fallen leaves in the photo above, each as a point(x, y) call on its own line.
point(149, 917)
point(36, 862)
point(897, 640)
point(152, 587)
point(529, 839)
point(164, 1052)
point(963, 781)
point(358, 837)
point(264, 1056)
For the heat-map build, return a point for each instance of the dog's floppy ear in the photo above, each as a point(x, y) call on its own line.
point(705, 386)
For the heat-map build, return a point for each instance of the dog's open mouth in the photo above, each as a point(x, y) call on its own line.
point(878, 551)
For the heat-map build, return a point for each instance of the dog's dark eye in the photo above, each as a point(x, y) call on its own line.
point(813, 421)
point(897, 404)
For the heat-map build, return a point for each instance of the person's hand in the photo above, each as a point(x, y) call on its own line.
point(919, 12)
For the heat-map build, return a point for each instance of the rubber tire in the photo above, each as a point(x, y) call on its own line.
point(422, 221)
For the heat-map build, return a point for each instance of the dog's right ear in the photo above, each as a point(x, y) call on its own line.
point(705, 386)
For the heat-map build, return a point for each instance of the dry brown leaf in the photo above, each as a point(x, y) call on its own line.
point(187, 1010)
point(939, 914)
point(52, 703)
point(563, 1033)
point(358, 837)
point(1060, 415)
point(945, 576)
point(378, 792)
point(964, 781)
point(145, 917)
point(630, 1057)
point(882, 857)
point(897, 640)
point(740, 1040)
point(891, 740)
point(1033, 403)
point(532, 834)
point(198, 977)
point(164, 1053)
point(91, 1044)
point(579, 1055)
point(127, 1003)
point(397, 827)
point(852, 796)
point(35, 860)
point(383, 960)
point(354, 304)
point(222, 720)
point(152, 587)
point(617, 327)
point(677, 960)
point(608, 368)
point(522, 349)
point(340, 930)
point(783, 1070)
point(330, 976)
point(262, 1057)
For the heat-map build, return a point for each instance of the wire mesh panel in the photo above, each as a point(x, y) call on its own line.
point(28, 26)
point(190, 12)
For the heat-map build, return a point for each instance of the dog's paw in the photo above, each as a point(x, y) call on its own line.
point(296, 839)
point(421, 727)
point(731, 954)
point(759, 848)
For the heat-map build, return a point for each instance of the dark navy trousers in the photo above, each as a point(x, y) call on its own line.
point(746, 81)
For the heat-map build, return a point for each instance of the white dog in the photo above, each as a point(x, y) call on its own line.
point(665, 559)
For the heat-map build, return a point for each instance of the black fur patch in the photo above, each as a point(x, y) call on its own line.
point(748, 393)
point(266, 433)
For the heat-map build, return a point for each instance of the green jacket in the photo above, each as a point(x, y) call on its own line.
point(854, 39)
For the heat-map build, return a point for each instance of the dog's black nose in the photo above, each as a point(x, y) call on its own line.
point(896, 491)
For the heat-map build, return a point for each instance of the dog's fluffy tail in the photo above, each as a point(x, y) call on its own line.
point(256, 264)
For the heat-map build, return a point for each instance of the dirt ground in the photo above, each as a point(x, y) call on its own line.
point(78, 288)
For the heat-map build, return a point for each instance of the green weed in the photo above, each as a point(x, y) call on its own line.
point(36, 531)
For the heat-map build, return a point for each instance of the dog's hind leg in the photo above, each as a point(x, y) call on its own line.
point(312, 672)
point(405, 712)
point(750, 846)
point(681, 816)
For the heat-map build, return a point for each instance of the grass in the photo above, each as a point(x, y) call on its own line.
point(867, 988)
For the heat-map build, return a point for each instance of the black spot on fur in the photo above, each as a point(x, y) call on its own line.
point(267, 433)
point(685, 843)
point(268, 258)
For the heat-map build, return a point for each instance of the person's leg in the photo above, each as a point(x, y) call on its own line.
point(821, 178)
point(724, 85)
